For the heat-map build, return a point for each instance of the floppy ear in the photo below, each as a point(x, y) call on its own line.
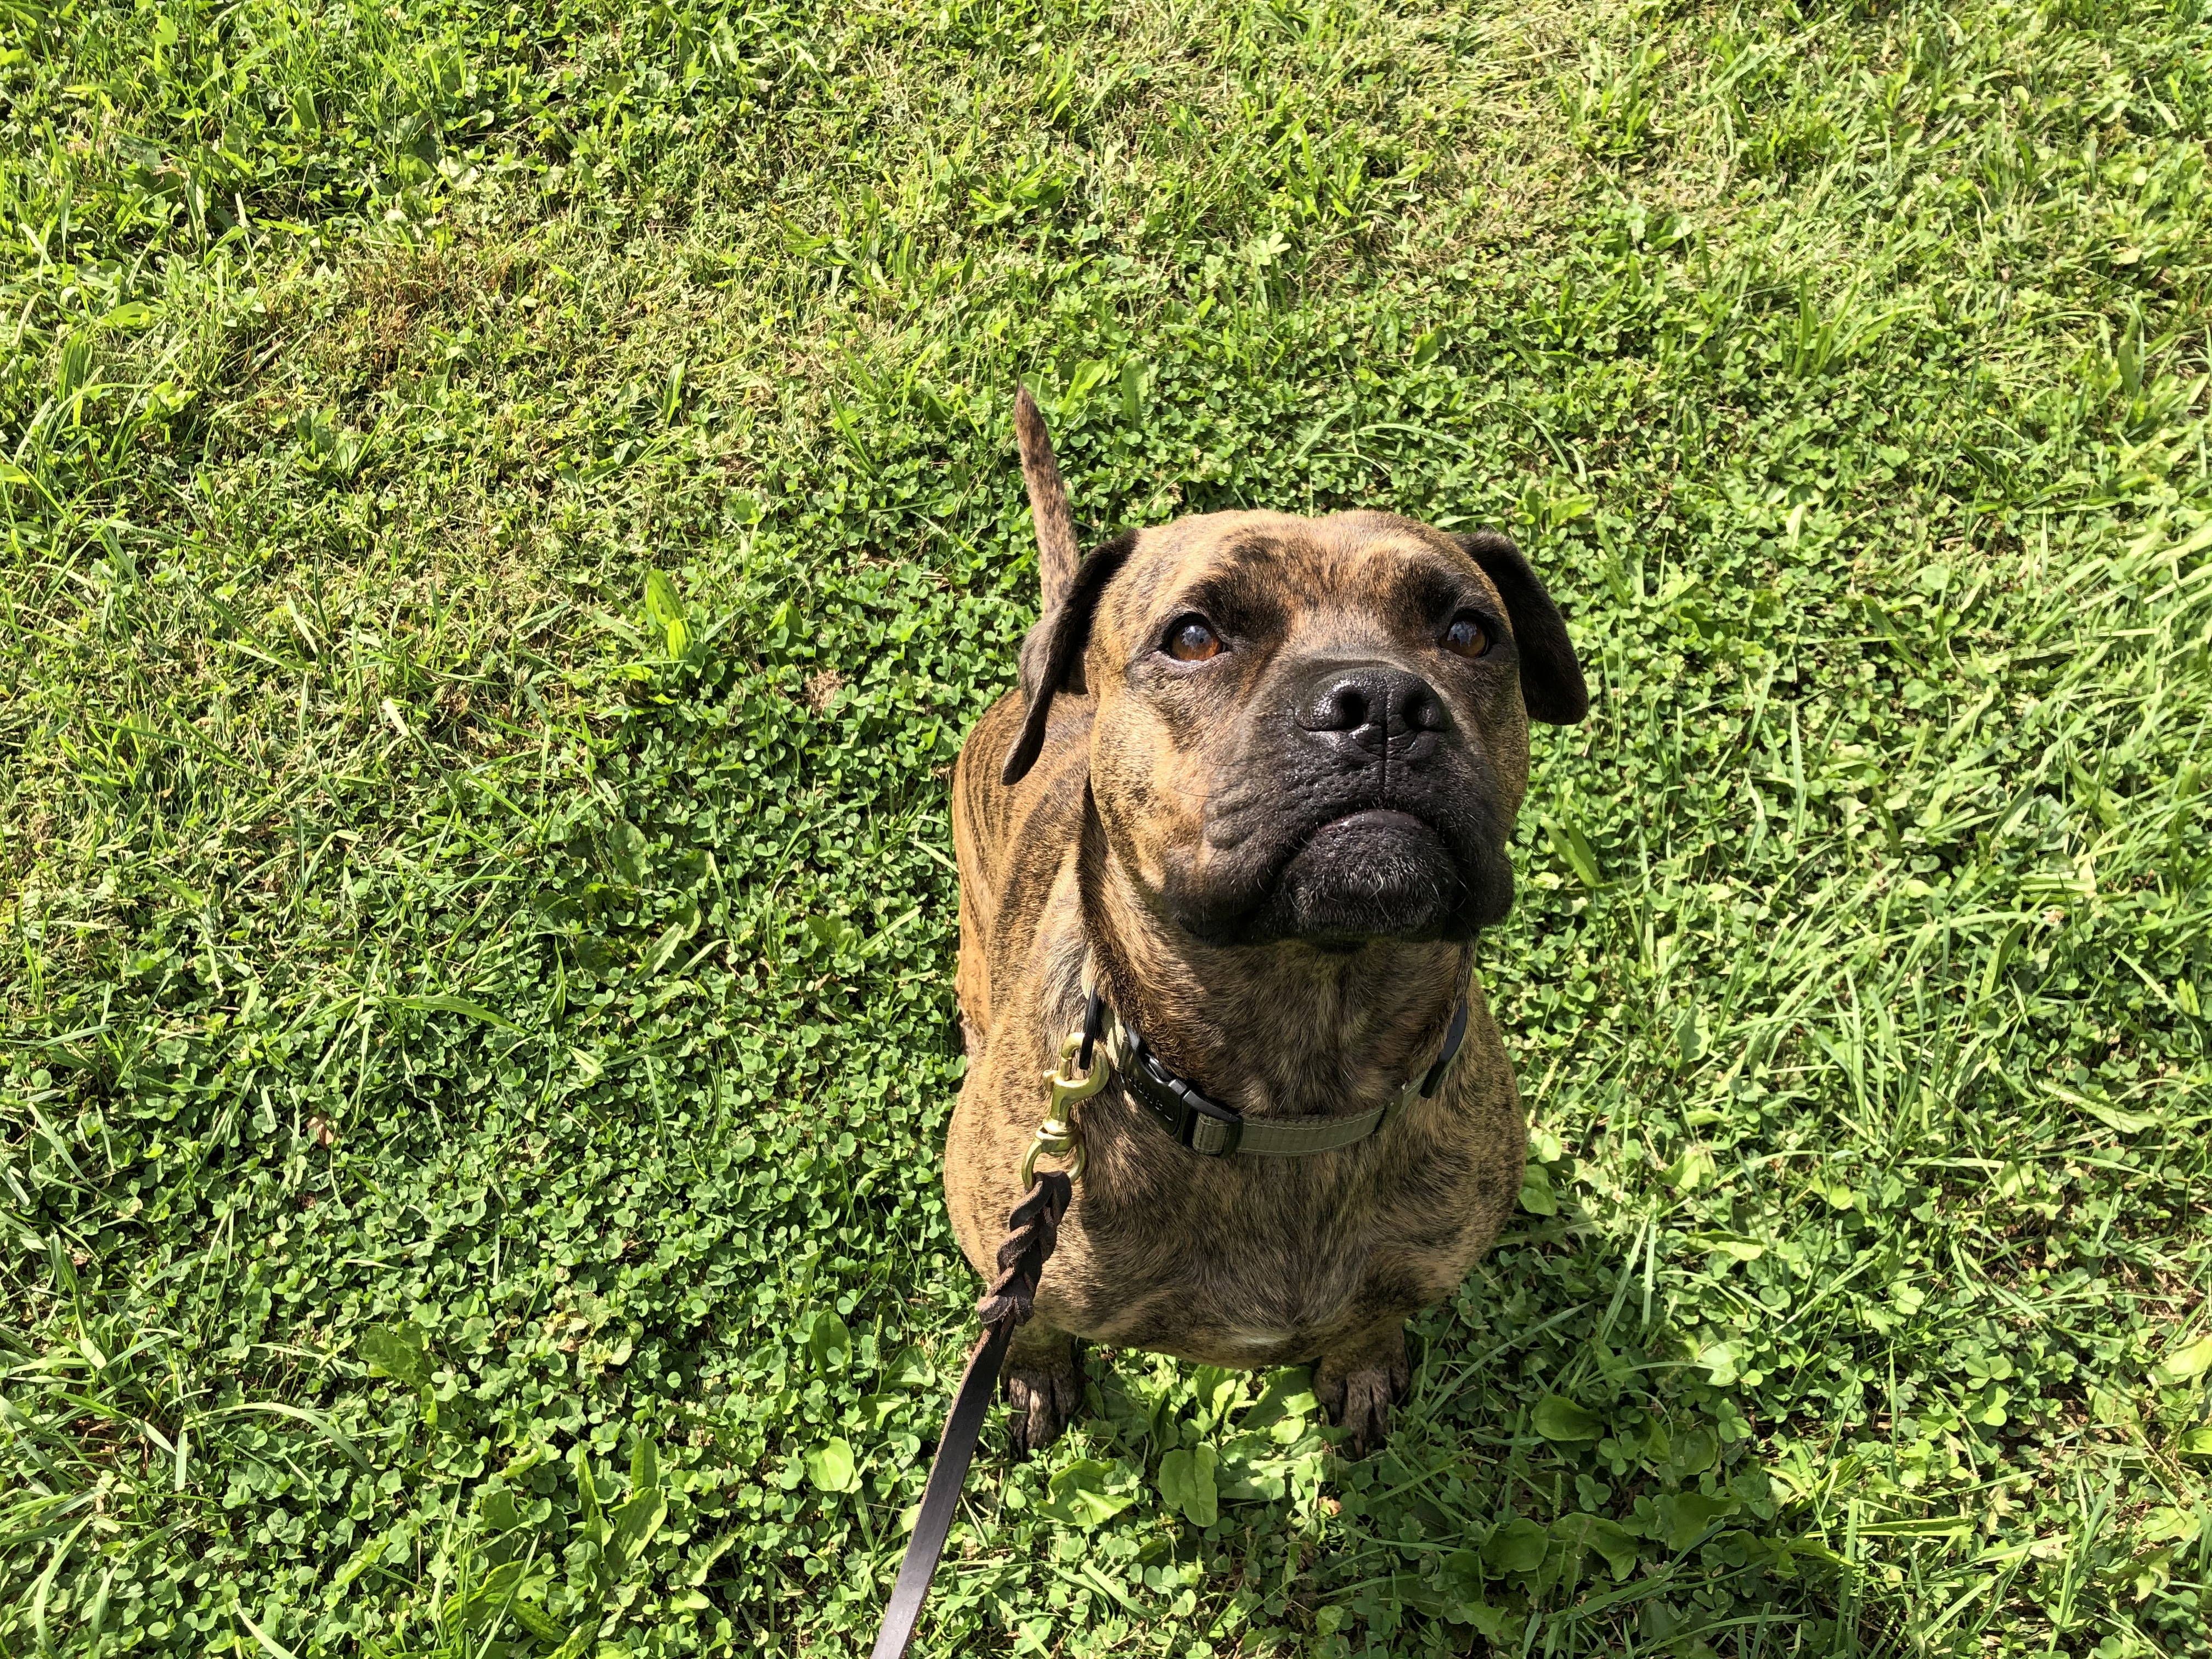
point(1551, 678)
point(1052, 655)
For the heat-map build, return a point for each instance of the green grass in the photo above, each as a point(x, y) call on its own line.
point(474, 1034)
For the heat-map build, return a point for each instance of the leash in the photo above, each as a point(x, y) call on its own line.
point(1087, 1059)
point(1032, 1230)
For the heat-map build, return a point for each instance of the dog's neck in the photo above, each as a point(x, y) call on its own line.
point(1275, 1030)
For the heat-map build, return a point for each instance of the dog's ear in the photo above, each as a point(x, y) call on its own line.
point(1056, 524)
point(1551, 676)
point(1052, 655)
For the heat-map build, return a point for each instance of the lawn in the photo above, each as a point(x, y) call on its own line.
point(509, 510)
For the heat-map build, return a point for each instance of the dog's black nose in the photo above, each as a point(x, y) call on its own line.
point(1372, 704)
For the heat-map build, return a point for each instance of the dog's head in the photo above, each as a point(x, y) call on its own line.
point(1312, 729)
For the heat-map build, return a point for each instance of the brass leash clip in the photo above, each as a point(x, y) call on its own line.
point(1058, 1134)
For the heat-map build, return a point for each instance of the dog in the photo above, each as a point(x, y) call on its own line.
point(1254, 797)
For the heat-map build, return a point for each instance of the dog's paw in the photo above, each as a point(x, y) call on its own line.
point(1357, 1394)
point(1044, 1389)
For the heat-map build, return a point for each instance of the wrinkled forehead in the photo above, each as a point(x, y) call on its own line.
point(1250, 561)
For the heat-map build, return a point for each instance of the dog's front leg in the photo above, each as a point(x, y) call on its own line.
point(1356, 1379)
point(1044, 1386)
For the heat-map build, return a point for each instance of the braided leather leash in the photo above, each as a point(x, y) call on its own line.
point(1032, 1231)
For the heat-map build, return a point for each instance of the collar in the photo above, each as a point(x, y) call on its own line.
point(1213, 1130)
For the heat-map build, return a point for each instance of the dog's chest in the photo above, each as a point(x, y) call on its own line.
point(1234, 1277)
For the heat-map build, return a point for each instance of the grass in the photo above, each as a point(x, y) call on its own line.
point(509, 510)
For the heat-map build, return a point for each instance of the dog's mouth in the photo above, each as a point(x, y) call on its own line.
point(1379, 871)
point(1374, 821)
point(1360, 845)
point(1292, 863)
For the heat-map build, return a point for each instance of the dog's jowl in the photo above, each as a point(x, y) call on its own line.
point(1256, 792)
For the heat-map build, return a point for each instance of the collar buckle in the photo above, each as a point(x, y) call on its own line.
point(1208, 1128)
point(1213, 1130)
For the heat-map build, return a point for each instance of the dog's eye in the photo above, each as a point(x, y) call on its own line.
point(1467, 636)
point(1189, 640)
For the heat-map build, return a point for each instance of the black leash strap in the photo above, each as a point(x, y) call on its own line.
point(1032, 1231)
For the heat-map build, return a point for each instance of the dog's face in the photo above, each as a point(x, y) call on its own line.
point(1311, 729)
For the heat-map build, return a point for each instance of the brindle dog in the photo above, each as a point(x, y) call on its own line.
point(1257, 788)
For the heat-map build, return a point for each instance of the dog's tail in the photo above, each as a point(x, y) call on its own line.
point(1055, 524)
